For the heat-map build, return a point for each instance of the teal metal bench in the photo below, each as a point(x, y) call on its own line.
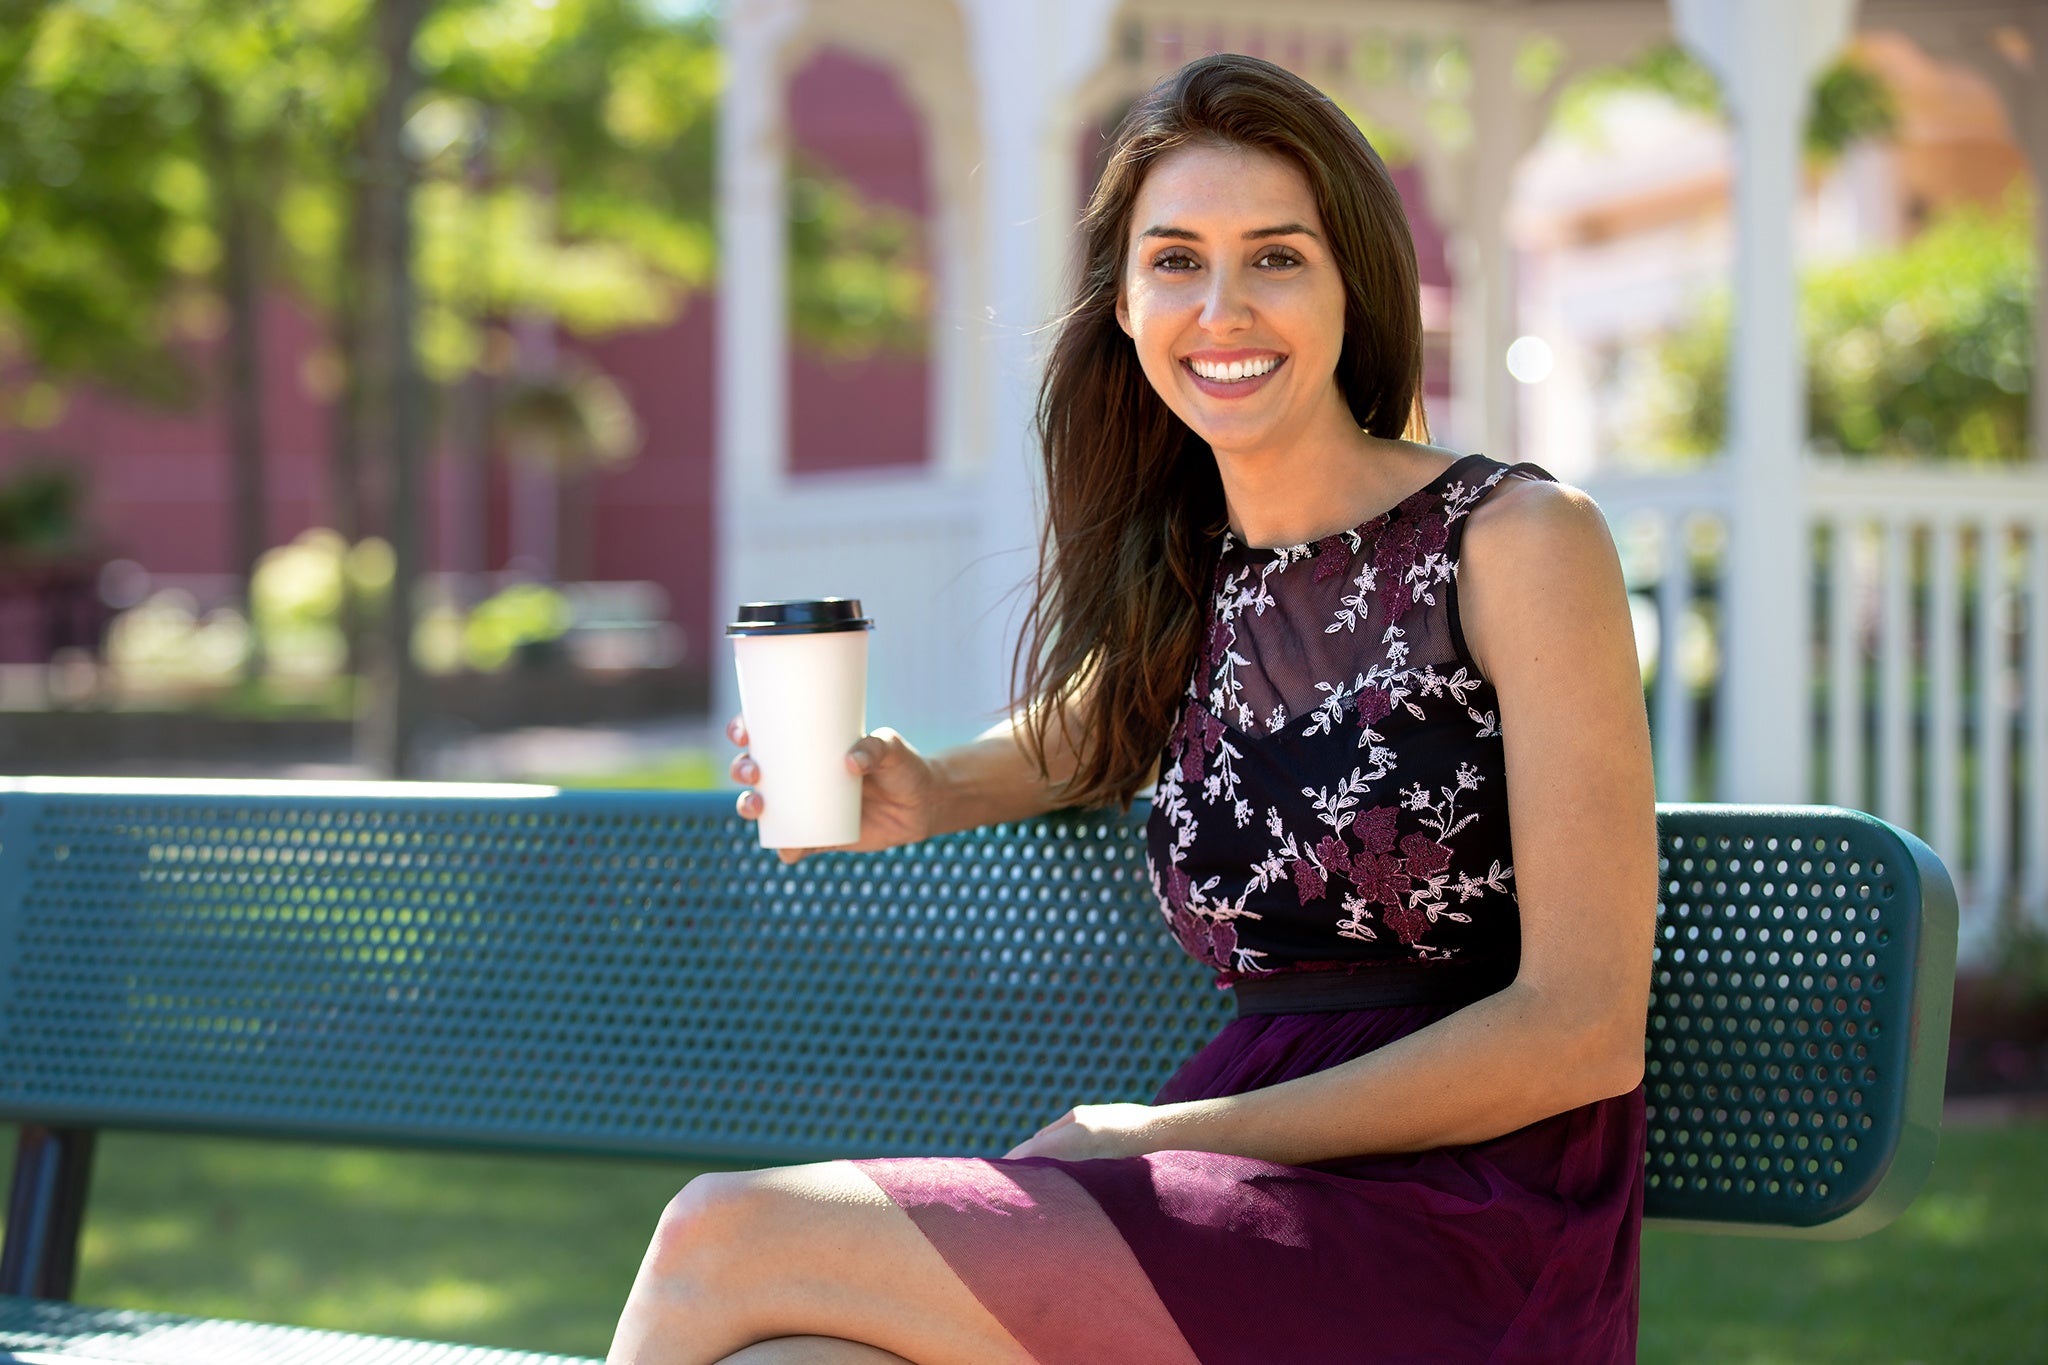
point(517, 969)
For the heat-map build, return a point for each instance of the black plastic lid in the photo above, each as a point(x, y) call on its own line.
point(811, 616)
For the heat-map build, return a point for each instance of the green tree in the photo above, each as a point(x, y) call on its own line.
point(143, 142)
point(1925, 350)
point(1850, 102)
point(509, 168)
point(97, 227)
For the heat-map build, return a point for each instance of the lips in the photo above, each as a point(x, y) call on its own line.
point(1231, 388)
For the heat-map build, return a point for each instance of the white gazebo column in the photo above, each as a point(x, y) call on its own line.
point(752, 435)
point(1470, 190)
point(1506, 123)
point(1030, 60)
point(1765, 54)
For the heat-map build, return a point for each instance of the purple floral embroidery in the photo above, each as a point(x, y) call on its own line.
point(1216, 646)
point(1375, 704)
point(1425, 856)
point(1375, 828)
point(1222, 943)
point(1431, 536)
point(1198, 735)
point(1271, 815)
point(1391, 558)
point(1379, 878)
point(1418, 505)
point(1407, 922)
point(1331, 558)
point(1308, 880)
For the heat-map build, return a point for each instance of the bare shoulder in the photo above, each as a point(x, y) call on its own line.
point(1523, 510)
point(1537, 559)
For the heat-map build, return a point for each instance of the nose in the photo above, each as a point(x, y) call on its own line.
point(1226, 307)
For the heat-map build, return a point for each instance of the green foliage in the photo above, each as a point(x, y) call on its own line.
point(91, 224)
point(857, 279)
point(1850, 102)
point(524, 614)
point(565, 162)
point(2021, 959)
point(300, 592)
point(121, 121)
point(574, 420)
point(1923, 351)
point(564, 154)
point(39, 508)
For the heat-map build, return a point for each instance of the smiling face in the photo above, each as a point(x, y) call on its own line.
point(1234, 300)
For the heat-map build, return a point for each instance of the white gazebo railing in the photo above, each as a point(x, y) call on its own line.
point(1928, 657)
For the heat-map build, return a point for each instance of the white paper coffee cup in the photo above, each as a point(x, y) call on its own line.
point(803, 672)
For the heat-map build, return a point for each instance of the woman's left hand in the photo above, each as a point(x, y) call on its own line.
point(1088, 1131)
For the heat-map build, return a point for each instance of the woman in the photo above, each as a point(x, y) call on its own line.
point(1350, 660)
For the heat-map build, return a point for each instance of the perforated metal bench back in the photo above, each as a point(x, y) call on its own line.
point(629, 973)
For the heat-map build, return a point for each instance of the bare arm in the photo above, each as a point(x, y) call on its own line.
point(1546, 616)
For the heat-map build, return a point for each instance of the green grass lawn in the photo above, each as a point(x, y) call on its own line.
point(533, 1253)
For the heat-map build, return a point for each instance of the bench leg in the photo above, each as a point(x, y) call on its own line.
point(52, 1167)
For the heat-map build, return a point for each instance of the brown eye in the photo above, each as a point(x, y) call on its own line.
point(1175, 261)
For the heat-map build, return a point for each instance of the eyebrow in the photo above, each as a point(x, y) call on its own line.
point(1183, 235)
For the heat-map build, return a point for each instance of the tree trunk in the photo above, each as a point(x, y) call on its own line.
point(390, 718)
point(358, 406)
point(471, 437)
point(241, 373)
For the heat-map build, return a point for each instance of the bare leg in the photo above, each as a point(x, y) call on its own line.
point(812, 1351)
point(804, 1251)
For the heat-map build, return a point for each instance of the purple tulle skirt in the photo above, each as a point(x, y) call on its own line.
point(1522, 1248)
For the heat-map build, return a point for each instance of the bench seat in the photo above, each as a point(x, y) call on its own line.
point(629, 974)
point(37, 1330)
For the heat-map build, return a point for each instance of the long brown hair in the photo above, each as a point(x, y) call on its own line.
point(1134, 505)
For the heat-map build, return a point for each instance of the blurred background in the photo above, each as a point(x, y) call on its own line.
point(410, 388)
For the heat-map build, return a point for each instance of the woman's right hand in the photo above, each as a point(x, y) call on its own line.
point(898, 792)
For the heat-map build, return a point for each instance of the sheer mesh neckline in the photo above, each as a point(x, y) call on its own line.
point(1231, 544)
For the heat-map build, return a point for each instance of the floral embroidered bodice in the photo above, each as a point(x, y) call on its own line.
point(1334, 792)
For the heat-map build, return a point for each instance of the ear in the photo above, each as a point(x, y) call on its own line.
point(1123, 312)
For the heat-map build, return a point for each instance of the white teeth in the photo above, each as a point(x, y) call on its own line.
point(1234, 371)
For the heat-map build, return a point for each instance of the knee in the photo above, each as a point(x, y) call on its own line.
point(707, 1216)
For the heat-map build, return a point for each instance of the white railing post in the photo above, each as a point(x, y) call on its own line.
point(1895, 639)
point(1765, 54)
point(1944, 770)
point(1673, 749)
point(1845, 665)
point(1989, 721)
point(2034, 724)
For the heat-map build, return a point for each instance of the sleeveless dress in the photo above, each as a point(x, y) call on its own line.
point(1331, 801)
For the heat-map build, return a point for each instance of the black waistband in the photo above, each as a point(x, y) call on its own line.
point(1394, 983)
